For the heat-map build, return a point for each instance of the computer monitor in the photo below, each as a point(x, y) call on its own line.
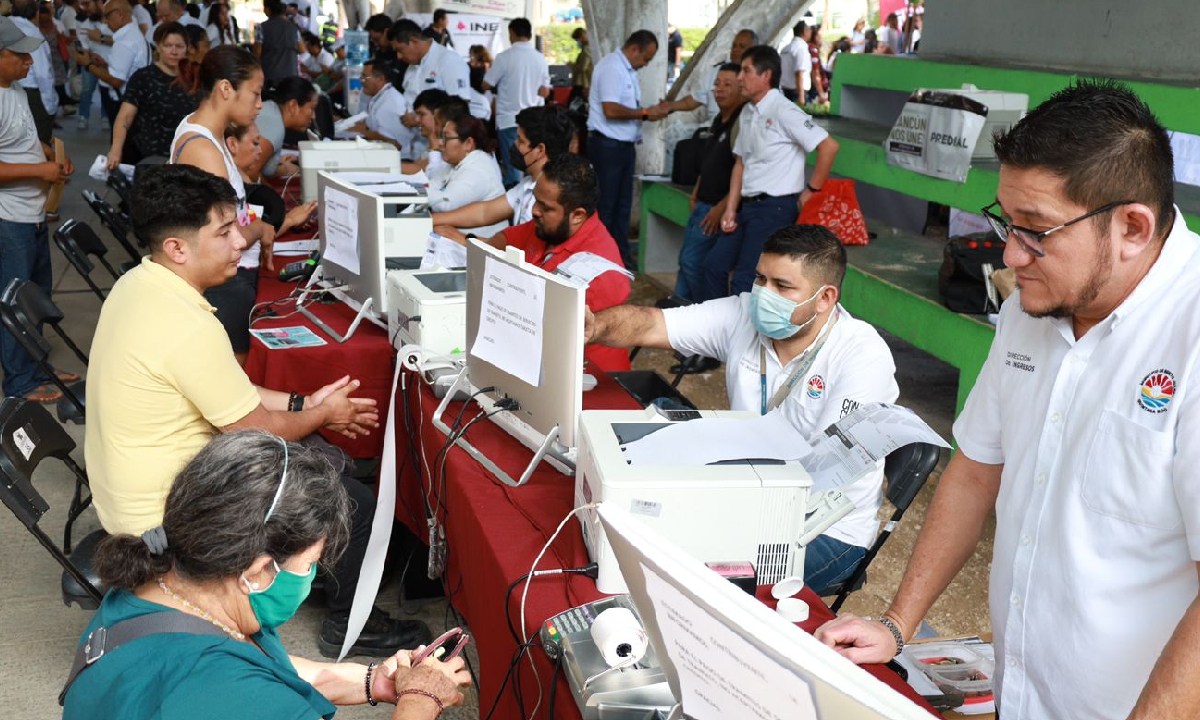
point(725, 654)
point(362, 233)
point(525, 346)
point(343, 156)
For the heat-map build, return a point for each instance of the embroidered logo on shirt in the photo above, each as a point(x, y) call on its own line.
point(815, 387)
point(1158, 387)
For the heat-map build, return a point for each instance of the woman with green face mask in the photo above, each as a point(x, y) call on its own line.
point(190, 620)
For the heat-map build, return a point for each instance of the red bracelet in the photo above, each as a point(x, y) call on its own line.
point(426, 693)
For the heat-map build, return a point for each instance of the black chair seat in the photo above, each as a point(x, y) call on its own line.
point(82, 557)
point(66, 408)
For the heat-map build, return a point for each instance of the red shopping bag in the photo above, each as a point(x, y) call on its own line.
point(836, 207)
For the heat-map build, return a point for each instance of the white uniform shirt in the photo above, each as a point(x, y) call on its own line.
point(775, 135)
point(129, 53)
point(441, 68)
point(141, 16)
point(474, 179)
point(855, 366)
point(383, 115)
point(1098, 515)
point(41, 75)
point(518, 74)
point(704, 93)
point(614, 80)
point(316, 65)
point(82, 27)
point(795, 58)
point(520, 199)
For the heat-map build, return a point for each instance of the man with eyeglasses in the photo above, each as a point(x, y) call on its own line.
point(1080, 432)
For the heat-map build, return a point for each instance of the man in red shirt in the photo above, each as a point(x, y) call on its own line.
point(566, 235)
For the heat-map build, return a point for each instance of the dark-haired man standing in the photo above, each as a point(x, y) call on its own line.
point(615, 117)
point(521, 79)
point(163, 380)
point(767, 186)
point(1080, 432)
point(789, 347)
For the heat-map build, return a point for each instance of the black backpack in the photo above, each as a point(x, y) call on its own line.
point(961, 279)
point(689, 156)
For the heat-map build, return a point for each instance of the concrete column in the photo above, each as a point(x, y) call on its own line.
point(769, 18)
point(609, 23)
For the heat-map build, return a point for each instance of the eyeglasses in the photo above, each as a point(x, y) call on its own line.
point(1031, 240)
point(448, 138)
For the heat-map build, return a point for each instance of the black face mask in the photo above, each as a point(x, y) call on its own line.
point(516, 159)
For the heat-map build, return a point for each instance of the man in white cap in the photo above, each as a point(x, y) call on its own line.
point(27, 169)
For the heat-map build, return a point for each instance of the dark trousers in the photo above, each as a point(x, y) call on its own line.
point(614, 162)
point(111, 104)
point(737, 252)
point(342, 580)
point(24, 254)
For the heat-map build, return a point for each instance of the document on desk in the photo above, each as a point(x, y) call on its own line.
point(341, 229)
point(510, 321)
point(285, 338)
point(442, 252)
point(854, 445)
point(721, 675)
point(709, 440)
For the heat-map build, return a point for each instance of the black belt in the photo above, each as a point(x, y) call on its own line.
point(755, 198)
point(612, 139)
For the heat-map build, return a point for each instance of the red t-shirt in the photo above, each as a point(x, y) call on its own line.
point(605, 290)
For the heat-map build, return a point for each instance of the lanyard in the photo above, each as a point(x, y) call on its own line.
point(808, 357)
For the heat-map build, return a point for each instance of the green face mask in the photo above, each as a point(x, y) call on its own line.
point(278, 602)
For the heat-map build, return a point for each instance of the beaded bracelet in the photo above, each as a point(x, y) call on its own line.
point(367, 683)
point(426, 693)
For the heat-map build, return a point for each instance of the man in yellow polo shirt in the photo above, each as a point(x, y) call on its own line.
point(163, 380)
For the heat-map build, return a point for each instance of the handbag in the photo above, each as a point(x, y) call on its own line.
point(836, 207)
point(967, 264)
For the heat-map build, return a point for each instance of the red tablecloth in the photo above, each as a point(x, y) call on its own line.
point(367, 356)
point(493, 532)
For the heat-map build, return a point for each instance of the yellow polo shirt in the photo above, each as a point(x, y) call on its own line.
point(162, 378)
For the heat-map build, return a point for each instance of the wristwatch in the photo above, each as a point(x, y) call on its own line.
point(295, 402)
point(811, 188)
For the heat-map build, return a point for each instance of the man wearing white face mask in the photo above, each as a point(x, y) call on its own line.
point(788, 347)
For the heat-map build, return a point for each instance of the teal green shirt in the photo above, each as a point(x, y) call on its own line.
point(189, 677)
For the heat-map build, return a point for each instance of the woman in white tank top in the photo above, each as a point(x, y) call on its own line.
point(230, 83)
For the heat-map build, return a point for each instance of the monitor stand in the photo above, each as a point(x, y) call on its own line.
point(316, 285)
point(543, 450)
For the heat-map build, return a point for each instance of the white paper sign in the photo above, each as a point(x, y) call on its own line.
point(721, 675)
point(442, 252)
point(341, 229)
point(510, 321)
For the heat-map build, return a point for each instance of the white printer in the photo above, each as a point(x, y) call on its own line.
point(343, 156)
point(746, 511)
point(428, 308)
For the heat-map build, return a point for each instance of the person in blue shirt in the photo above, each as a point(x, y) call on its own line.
point(246, 522)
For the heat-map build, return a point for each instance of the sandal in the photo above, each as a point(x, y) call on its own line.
point(66, 376)
point(44, 394)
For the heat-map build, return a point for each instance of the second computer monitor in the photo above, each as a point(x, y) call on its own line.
point(525, 338)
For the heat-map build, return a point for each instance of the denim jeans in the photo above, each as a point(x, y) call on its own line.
point(696, 246)
point(24, 254)
point(614, 163)
point(828, 561)
point(508, 174)
point(738, 251)
point(87, 89)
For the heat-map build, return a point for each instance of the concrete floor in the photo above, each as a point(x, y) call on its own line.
point(39, 633)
